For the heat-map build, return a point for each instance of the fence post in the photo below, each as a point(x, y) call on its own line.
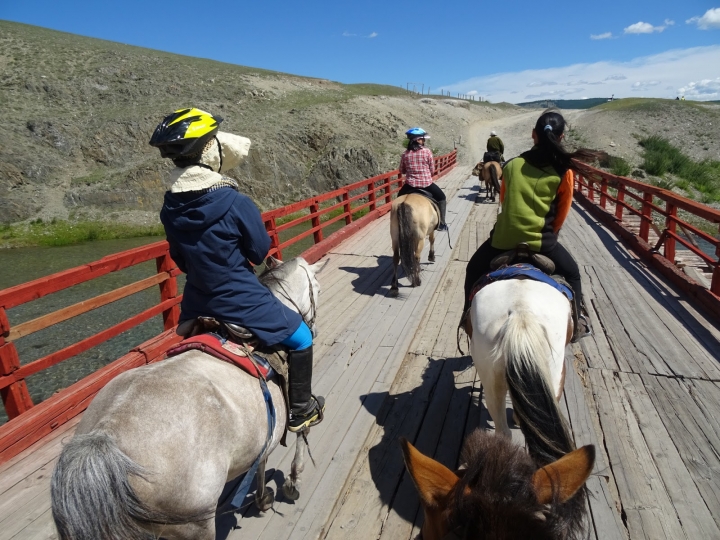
point(603, 193)
point(646, 216)
point(388, 197)
point(271, 229)
point(620, 201)
point(371, 188)
point(715, 285)
point(671, 226)
point(315, 220)
point(168, 290)
point(346, 207)
point(16, 396)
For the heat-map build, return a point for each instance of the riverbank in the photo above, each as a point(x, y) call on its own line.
point(55, 233)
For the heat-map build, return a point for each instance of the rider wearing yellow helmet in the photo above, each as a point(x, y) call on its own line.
point(216, 234)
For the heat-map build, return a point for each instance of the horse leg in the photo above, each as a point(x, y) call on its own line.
point(431, 255)
point(291, 485)
point(495, 394)
point(418, 253)
point(396, 262)
point(264, 496)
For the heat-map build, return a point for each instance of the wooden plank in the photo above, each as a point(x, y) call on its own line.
point(646, 505)
point(79, 308)
point(689, 505)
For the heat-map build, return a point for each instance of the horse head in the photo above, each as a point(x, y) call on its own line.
point(500, 493)
point(295, 284)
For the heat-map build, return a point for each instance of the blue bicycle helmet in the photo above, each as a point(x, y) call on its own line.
point(416, 133)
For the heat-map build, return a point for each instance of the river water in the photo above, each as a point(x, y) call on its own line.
point(25, 264)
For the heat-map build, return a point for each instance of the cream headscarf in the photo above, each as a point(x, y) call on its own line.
point(228, 155)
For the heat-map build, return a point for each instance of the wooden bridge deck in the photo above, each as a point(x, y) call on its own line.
point(644, 390)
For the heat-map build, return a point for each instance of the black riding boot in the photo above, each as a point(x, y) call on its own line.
point(305, 409)
point(442, 206)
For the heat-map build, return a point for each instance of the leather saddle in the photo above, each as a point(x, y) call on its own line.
point(522, 253)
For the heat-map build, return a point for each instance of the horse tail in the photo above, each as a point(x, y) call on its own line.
point(408, 239)
point(92, 497)
point(525, 345)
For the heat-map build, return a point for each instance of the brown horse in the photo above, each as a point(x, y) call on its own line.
point(491, 172)
point(412, 218)
point(500, 493)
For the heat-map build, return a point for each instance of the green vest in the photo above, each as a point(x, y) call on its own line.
point(527, 209)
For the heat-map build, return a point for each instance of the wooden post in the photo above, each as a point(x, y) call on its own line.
point(603, 193)
point(388, 196)
point(373, 204)
point(16, 396)
point(671, 226)
point(168, 290)
point(620, 200)
point(315, 220)
point(346, 208)
point(646, 216)
point(715, 285)
point(271, 228)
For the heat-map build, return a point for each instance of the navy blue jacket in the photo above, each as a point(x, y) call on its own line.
point(213, 239)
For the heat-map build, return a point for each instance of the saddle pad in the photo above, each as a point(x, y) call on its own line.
point(226, 350)
point(520, 270)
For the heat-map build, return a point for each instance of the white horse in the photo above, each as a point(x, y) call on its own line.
point(157, 445)
point(520, 329)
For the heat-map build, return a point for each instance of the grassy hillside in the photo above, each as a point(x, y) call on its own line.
point(78, 113)
point(564, 103)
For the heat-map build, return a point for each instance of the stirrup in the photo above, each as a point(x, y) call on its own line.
point(312, 418)
point(442, 227)
point(583, 330)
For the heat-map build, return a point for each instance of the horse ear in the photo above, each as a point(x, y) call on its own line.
point(318, 267)
point(564, 476)
point(433, 480)
point(271, 262)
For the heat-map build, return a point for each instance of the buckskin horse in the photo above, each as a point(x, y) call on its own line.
point(412, 218)
point(156, 446)
point(500, 492)
point(520, 328)
point(491, 172)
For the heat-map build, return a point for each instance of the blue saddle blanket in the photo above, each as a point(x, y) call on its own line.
point(525, 270)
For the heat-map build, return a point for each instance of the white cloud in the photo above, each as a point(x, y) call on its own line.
point(648, 76)
point(711, 19)
point(373, 35)
point(348, 34)
point(701, 90)
point(606, 35)
point(646, 28)
point(472, 93)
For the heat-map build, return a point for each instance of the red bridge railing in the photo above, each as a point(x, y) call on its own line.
point(302, 220)
point(654, 221)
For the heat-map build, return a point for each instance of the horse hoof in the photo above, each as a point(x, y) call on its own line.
point(290, 491)
point(431, 259)
point(266, 503)
point(393, 293)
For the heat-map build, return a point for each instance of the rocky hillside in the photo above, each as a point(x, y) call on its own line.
point(78, 113)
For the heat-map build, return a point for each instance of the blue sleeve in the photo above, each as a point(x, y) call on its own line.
point(255, 239)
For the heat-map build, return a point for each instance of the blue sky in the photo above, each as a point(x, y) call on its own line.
point(516, 50)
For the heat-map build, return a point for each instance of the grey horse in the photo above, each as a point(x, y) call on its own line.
point(155, 448)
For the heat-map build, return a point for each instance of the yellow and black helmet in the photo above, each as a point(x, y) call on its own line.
point(184, 133)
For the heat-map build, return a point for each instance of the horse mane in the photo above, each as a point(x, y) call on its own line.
point(279, 274)
point(496, 494)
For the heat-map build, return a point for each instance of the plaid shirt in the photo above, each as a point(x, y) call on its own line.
point(418, 167)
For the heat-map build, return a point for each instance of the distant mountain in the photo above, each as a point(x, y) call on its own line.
point(564, 103)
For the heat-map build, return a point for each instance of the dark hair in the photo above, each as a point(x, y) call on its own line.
point(549, 150)
point(414, 145)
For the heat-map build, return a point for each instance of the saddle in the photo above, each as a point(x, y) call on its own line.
point(236, 345)
point(428, 195)
point(492, 156)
